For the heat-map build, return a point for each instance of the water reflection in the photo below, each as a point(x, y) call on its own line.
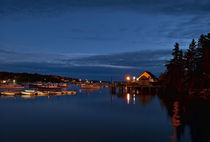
point(134, 99)
point(186, 111)
point(88, 91)
point(132, 115)
point(183, 111)
point(128, 98)
point(143, 97)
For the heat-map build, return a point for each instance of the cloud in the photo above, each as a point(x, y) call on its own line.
point(146, 59)
point(94, 38)
point(191, 27)
point(7, 56)
point(56, 7)
point(7, 52)
point(93, 67)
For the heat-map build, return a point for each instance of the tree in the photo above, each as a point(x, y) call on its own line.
point(175, 68)
point(190, 57)
point(191, 71)
point(181, 64)
point(204, 60)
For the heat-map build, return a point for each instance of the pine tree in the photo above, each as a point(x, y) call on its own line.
point(199, 55)
point(181, 64)
point(205, 66)
point(206, 56)
point(190, 57)
point(191, 71)
point(173, 67)
point(175, 54)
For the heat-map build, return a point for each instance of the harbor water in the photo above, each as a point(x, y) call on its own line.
point(101, 116)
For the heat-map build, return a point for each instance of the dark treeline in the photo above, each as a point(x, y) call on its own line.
point(189, 70)
point(27, 77)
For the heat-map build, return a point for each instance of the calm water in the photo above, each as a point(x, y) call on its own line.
point(98, 116)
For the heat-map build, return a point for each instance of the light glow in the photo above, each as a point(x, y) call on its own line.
point(134, 98)
point(128, 78)
point(128, 98)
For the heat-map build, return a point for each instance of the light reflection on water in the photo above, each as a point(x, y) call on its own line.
point(99, 115)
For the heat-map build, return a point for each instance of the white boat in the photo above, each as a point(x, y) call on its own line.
point(39, 93)
point(8, 93)
point(28, 92)
point(25, 93)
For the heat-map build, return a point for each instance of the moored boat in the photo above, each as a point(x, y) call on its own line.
point(11, 86)
point(28, 92)
point(27, 96)
point(69, 92)
point(106, 85)
point(63, 85)
point(8, 93)
point(39, 93)
point(57, 93)
point(90, 86)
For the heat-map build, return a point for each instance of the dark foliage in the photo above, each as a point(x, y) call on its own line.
point(191, 70)
point(26, 77)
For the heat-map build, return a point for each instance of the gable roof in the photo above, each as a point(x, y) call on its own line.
point(149, 73)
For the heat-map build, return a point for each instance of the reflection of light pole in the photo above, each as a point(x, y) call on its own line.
point(128, 98)
point(134, 98)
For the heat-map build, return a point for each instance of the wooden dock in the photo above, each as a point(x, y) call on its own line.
point(133, 87)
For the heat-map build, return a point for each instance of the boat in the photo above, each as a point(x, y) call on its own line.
point(35, 85)
point(49, 86)
point(64, 85)
point(27, 96)
point(57, 93)
point(11, 86)
point(8, 93)
point(69, 92)
point(39, 93)
point(106, 85)
point(28, 92)
point(90, 86)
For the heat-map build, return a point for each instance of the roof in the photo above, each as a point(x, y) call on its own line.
point(152, 76)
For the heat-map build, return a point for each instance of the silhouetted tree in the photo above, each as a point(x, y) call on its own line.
point(191, 71)
point(190, 57)
point(181, 63)
point(203, 60)
point(175, 68)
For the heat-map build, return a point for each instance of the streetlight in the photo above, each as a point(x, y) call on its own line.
point(128, 78)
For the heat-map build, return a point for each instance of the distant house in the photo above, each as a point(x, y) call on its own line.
point(146, 78)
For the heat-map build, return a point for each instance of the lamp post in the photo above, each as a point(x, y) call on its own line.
point(128, 78)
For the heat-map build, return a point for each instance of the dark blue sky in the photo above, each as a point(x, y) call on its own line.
point(56, 31)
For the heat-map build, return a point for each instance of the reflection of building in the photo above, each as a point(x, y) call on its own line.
point(176, 119)
point(146, 78)
point(185, 111)
point(145, 99)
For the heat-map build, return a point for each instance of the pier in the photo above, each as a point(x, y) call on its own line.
point(132, 87)
point(146, 83)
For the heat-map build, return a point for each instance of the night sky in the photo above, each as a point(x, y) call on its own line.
point(96, 39)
